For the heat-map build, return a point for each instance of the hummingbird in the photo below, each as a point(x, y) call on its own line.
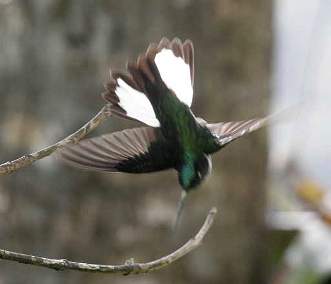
point(157, 90)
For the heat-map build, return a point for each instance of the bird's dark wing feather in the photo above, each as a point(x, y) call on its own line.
point(137, 150)
point(225, 132)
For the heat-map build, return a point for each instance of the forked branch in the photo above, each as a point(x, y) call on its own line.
point(130, 267)
point(26, 160)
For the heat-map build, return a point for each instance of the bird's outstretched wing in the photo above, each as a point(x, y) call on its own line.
point(137, 150)
point(169, 64)
point(225, 132)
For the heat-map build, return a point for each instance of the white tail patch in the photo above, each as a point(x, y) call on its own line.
point(135, 104)
point(175, 73)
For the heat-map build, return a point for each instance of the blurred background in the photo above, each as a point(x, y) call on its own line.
point(272, 188)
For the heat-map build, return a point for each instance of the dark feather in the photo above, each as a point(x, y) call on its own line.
point(143, 73)
point(229, 131)
point(137, 150)
point(189, 57)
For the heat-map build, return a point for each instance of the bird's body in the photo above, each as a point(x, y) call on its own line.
point(190, 141)
point(158, 92)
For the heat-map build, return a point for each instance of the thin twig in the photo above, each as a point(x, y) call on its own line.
point(28, 159)
point(130, 267)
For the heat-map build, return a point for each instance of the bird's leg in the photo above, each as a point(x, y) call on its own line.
point(179, 210)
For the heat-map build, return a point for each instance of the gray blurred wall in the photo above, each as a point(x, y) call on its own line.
point(54, 59)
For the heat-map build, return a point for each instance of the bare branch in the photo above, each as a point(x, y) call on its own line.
point(130, 267)
point(26, 160)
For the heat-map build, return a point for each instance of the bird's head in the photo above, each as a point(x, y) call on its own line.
point(194, 171)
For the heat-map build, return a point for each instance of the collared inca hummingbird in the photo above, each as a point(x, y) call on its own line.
point(157, 90)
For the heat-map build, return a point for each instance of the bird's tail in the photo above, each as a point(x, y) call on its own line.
point(132, 95)
point(163, 67)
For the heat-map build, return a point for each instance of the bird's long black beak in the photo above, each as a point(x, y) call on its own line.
point(180, 207)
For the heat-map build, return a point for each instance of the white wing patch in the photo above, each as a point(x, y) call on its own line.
point(175, 73)
point(135, 104)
